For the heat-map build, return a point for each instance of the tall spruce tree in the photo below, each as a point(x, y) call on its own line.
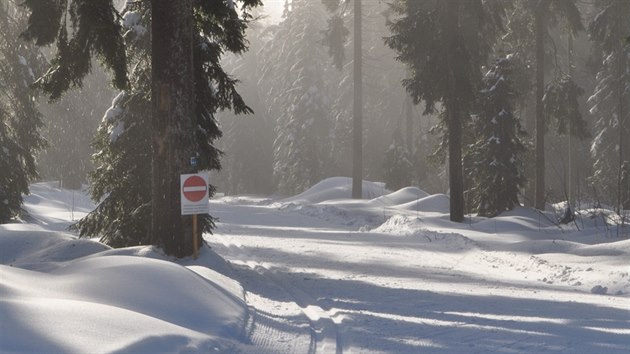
point(20, 120)
point(335, 37)
point(609, 102)
point(545, 15)
point(187, 87)
point(497, 166)
point(398, 167)
point(247, 165)
point(122, 162)
point(381, 100)
point(298, 97)
point(445, 44)
point(528, 36)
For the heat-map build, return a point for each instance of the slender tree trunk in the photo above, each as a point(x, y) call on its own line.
point(539, 202)
point(172, 122)
point(623, 131)
point(572, 180)
point(409, 132)
point(454, 116)
point(357, 121)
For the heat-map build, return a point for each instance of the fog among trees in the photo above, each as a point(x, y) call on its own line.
point(496, 103)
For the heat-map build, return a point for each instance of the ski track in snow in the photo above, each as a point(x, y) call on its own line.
point(322, 330)
point(314, 274)
point(430, 291)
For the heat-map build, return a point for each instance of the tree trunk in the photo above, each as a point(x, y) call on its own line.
point(539, 202)
point(409, 132)
point(172, 122)
point(454, 116)
point(357, 121)
point(572, 145)
point(624, 130)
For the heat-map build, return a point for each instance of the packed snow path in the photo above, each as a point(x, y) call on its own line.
point(317, 273)
point(320, 286)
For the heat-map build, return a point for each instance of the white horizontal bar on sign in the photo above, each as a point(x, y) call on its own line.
point(195, 189)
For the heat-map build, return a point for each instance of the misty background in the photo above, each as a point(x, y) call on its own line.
point(300, 132)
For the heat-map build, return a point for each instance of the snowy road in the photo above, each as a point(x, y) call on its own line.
point(317, 273)
point(317, 285)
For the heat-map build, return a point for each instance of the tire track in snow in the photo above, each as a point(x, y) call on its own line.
point(324, 334)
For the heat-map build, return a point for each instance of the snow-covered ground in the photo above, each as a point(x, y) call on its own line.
point(320, 273)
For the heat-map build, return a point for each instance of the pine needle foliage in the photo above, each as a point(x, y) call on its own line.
point(497, 153)
point(20, 120)
point(119, 182)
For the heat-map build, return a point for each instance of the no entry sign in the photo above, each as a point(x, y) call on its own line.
point(194, 193)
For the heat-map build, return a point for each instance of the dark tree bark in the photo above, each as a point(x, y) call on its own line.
point(409, 122)
point(624, 130)
point(172, 123)
point(539, 202)
point(454, 116)
point(572, 146)
point(357, 121)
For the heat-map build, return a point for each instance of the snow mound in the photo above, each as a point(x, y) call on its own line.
point(54, 208)
point(400, 196)
point(30, 247)
point(83, 297)
point(437, 203)
point(349, 213)
point(336, 188)
point(542, 246)
point(612, 249)
point(401, 225)
point(517, 220)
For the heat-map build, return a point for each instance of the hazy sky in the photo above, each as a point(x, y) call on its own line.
point(274, 8)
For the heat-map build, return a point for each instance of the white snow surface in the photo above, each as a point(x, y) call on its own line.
point(319, 273)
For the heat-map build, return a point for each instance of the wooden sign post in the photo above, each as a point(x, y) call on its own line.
point(194, 200)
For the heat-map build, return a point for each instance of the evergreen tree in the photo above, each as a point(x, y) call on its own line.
point(398, 167)
point(562, 108)
point(20, 121)
point(529, 36)
point(445, 44)
point(298, 98)
point(609, 102)
point(188, 86)
point(247, 166)
point(545, 13)
point(123, 164)
point(497, 168)
point(335, 37)
point(381, 100)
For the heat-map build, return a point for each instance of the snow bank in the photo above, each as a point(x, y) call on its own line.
point(62, 294)
point(336, 188)
point(31, 247)
point(54, 208)
point(414, 227)
point(437, 203)
point(400, 196)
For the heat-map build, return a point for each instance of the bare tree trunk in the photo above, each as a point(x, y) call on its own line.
point(572, 179)
point(623, 131)
point(357, 121)
point(409, 132)
point(172, 122)
point(454, 117)
point(539, 202)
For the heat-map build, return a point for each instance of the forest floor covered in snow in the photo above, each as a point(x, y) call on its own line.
point(321, 273)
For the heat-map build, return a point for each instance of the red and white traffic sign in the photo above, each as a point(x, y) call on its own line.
point(194, 193)
point(195, 188)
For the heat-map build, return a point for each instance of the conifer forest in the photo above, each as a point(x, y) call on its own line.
point(492, 127)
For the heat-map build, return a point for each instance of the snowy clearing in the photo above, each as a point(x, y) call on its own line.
point(320, 273)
